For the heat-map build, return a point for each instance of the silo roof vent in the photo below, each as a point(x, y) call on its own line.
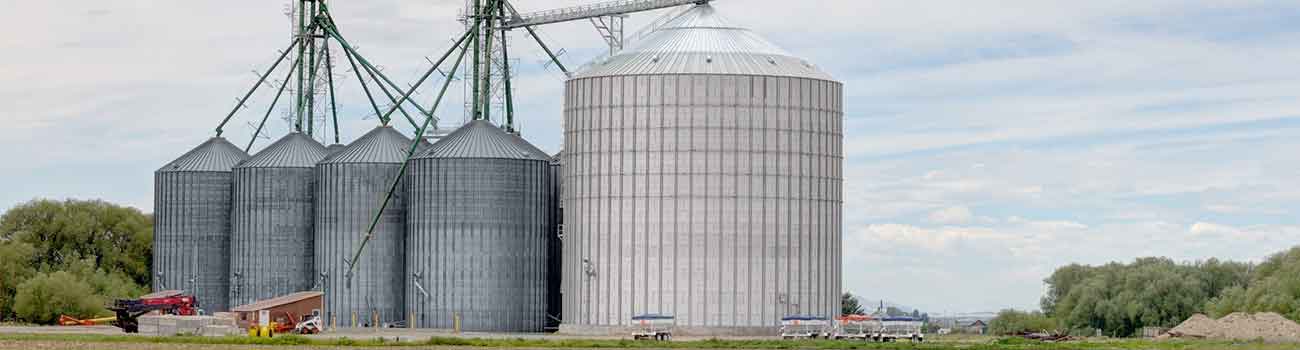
point(215, 155)
point(701, 41)
point(294, 150)
point(382, 145)
point(481, 139)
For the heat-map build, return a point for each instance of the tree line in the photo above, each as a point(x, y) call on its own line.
point(1120, 299)
point(71, 257)
point(850, 305)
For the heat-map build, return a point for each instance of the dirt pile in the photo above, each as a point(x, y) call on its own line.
point(1197, 326)
point(1240, 326)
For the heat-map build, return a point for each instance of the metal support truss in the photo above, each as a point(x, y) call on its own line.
point(611, 29)
point(352, 263)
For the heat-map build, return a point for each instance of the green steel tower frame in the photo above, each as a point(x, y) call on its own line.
point(316, 35)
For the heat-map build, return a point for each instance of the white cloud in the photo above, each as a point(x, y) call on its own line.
point(1049, 225)
point(952, 215)
point(1209, 229)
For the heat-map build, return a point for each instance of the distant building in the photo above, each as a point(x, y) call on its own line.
point(977, 327)
point(291, 307)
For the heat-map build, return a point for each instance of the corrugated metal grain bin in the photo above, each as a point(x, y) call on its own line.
point(271, 238)
point(554, 300)
point(351, 185)
point(477, 232)
point(192, 223)
point(702, 178)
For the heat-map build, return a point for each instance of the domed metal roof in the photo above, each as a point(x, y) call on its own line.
point(216, 154)
point(481, 139)
point(700, 41)
point(294, 150)
point(381, 145)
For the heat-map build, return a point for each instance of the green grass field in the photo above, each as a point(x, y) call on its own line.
point(940, 343)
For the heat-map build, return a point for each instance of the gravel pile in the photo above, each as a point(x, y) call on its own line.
point(1268, 326)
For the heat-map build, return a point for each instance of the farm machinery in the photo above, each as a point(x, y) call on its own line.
point(128, 311)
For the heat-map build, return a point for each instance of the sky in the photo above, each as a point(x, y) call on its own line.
point(987, 142)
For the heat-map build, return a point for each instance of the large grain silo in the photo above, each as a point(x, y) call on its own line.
point(192, 223)
point(702, 180)
point(351, 186)
point(271, 238)
point(477, 231)
point(555, 252)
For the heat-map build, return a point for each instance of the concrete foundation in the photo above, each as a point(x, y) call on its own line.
point(688, 331)
point(168, 325)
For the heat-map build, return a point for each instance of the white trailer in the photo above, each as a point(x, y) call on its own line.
point(855, 327)
point(896, 328)
point(804, 327)
point(653, 326)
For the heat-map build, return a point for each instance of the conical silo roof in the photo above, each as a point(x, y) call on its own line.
point(424, 146)
point(381, 145)
point(701, 41)
point(294, 150)
point(215, 154)
point(481, 139)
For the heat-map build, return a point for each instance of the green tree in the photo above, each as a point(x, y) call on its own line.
point(849, 305)
point(1274, 287)
point(118, 239)
point(894, 311)
point(1062, 281)
point(1120, 299)
point(1015, 322)
point(15, 267)
point(44, 297)
point(107, 284)
point(1221, 275)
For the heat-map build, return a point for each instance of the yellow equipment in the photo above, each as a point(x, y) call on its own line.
point(65, 320)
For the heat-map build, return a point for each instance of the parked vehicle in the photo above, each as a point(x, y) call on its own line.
point(653, 326)
point(895, 328)
point(804, 327)
point(855, 327)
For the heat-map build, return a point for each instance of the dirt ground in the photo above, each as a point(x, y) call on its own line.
point(100, 330)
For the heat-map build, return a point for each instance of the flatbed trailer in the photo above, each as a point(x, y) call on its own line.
point(653, 326)
point(893, 329)
point(855, 327)
point(804, 327)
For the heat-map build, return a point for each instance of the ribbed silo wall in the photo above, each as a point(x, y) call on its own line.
point(271, 239)
point(348, 195)
point(714, 198)
point(554, 258)
point(192, 235)
point(477, 238)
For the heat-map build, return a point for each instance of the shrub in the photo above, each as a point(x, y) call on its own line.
point(44, 297)
point(1013, 322)
point(15, 267)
